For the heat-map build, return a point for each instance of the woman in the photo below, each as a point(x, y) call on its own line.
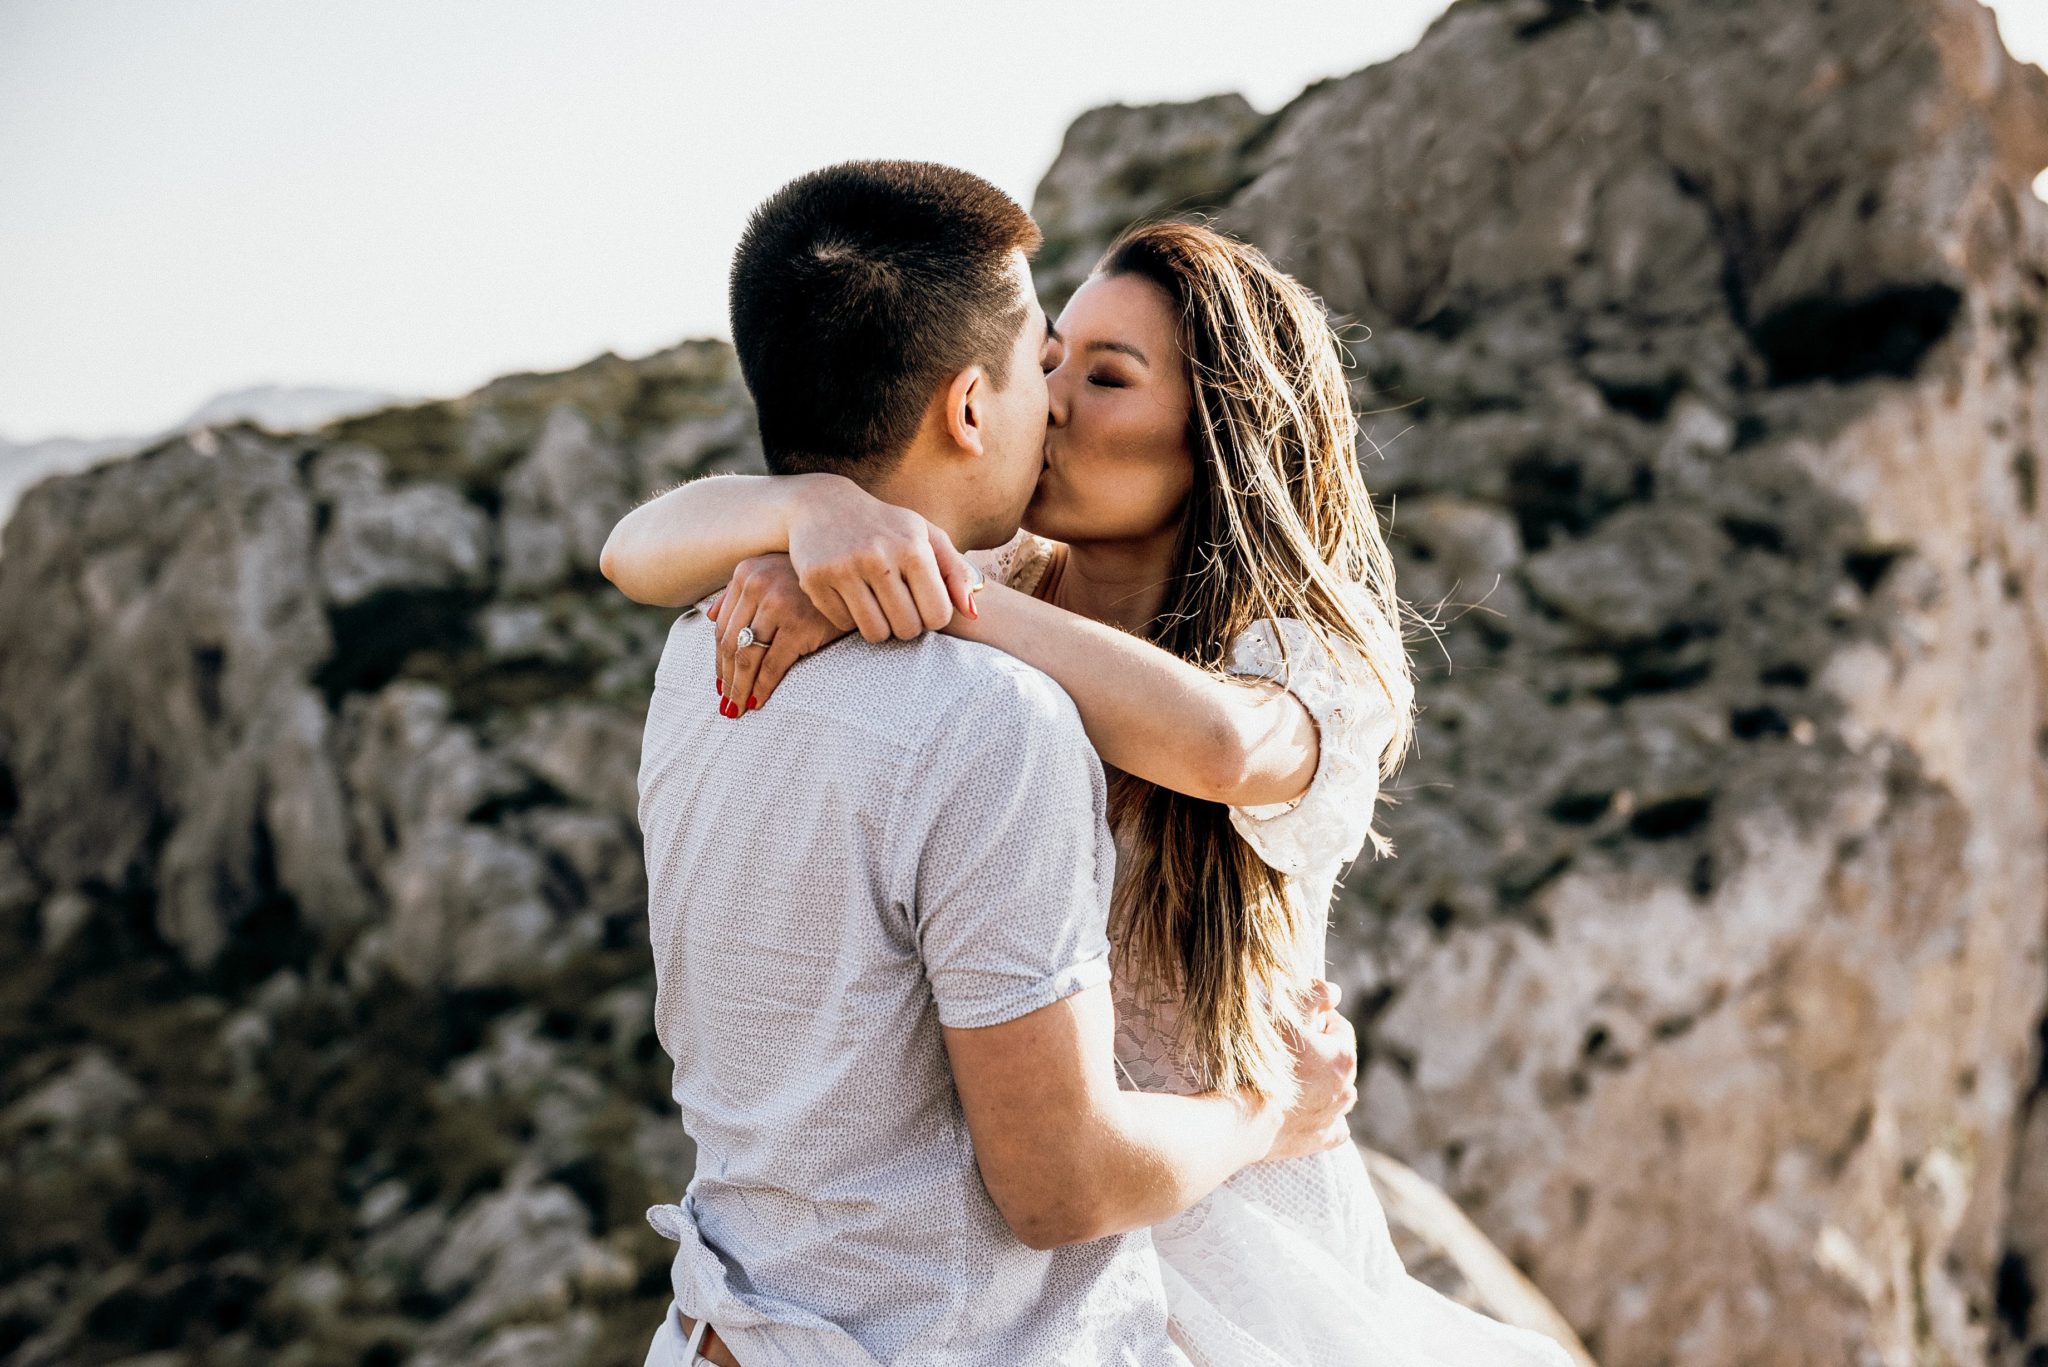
point(1201, 492)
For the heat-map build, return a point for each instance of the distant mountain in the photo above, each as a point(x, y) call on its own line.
point(287, 408)
point(280, 408)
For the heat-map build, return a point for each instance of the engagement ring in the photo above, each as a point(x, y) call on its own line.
point(746, 638)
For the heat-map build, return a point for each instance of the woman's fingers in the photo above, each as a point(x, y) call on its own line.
point(955, 572)
point(1327, 1068)
point(741, 684)
point(830, 603)
point(906, 622)
point(1323, 995)
point(788, 630)
point(961, 583)
point(776, 661)
point(929, 590)
point(868, 617)
point(718, 657)
point(785, 625)
point(1338, 1107)
point(1343, 1037)
point(847, 533)
point(742, 602)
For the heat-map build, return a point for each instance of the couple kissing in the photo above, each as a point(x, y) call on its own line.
point(1054, 672)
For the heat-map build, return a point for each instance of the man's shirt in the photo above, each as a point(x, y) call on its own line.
point(909, 834)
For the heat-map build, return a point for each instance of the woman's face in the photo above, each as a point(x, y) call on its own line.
point(1117, 463)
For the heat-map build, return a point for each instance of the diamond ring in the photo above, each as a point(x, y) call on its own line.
point(747, 638)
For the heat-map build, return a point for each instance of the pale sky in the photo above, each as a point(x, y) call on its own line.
point(197, 195)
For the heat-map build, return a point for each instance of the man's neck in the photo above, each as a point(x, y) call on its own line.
point(916, 483)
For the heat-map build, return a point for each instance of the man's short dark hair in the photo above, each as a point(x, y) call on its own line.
point(856, 291)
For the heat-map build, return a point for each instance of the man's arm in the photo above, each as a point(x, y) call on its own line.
point(1068, 1157)
point(1009, 867)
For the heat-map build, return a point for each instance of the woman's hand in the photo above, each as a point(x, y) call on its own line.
point(1326, 1066)
point(763, 595)
point(875, 567)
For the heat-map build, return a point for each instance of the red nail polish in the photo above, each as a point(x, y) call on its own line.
point(753, 703)
point(721, 686)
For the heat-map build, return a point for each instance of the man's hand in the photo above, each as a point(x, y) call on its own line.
point(1326, 1067)
point(874, 567)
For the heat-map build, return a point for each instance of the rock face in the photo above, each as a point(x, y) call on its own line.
point(279, 408)
point(1701, 344)
point(327, 1003)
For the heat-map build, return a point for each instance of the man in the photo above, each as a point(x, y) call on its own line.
point(878, 912)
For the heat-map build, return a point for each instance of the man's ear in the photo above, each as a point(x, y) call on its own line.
point(967, 409)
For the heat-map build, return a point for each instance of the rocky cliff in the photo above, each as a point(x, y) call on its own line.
point(281, 408)
point(1701, 347)
point(326, 1020)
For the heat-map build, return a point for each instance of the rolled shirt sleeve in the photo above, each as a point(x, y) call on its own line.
point(1010, 856)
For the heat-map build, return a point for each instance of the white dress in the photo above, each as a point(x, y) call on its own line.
point(1290, 1264)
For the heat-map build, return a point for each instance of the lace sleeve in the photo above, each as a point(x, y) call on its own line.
point(1017, 563)
point(1354, 718)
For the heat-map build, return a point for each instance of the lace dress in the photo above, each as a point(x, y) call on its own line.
point(1290, 1264)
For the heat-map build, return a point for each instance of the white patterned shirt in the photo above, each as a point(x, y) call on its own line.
point(910, 834)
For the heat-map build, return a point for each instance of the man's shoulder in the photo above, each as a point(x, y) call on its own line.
point(899, 691)
point(917, 686)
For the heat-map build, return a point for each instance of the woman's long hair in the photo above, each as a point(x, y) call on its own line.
point(1279, 524)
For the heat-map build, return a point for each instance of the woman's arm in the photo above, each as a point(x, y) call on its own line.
point(1152, 714)
point(1241, 742)
point(867, 565)
point(679, 546)
point(1147, 711)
